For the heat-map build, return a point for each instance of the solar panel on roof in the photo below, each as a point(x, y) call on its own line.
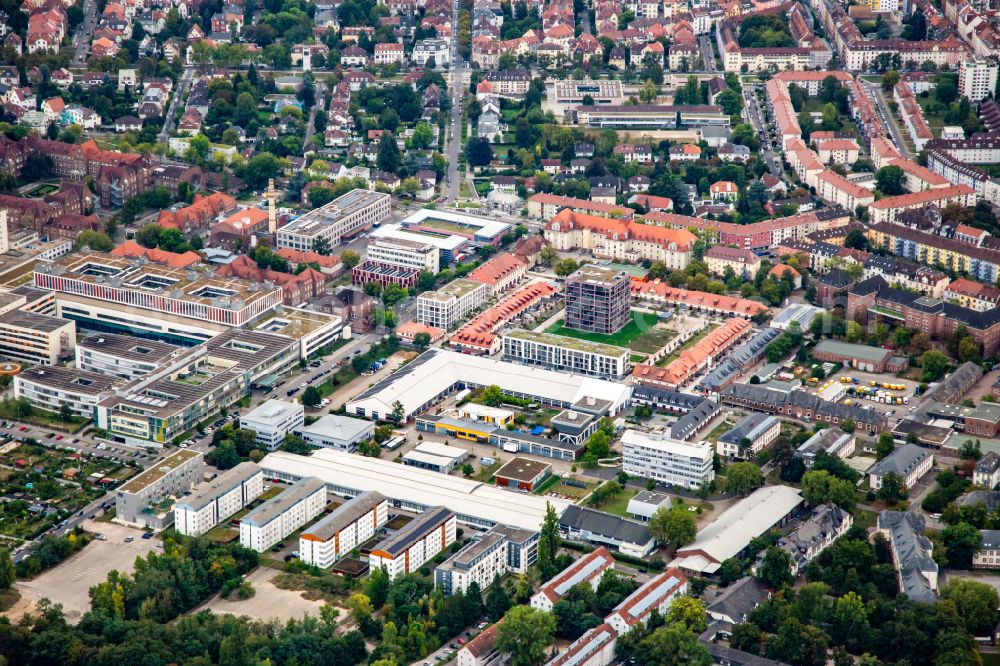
point(597, 641)
point(585, 572)
point(640, 608)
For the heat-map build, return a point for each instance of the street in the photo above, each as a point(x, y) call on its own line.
point(888, 120)
point(707, 55)
point(81, 40)
point(311, 125)
point(179, 94)
point(756, 119)
point(454, 137)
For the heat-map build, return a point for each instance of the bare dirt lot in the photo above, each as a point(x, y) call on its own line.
point(69, 582)
point(268, 602)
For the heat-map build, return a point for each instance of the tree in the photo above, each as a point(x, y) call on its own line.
point(468, 470)
point(321, 246)
point(360, 607)
point(525, 633)
point(670, 645)
point(649, 92)
point(311, 397)
point(743, 477)
point(892, 488)
point(856, 240)
point(889, 180)
point(820, 487)
point(388, 154)
point(94, 240)
point(65, 412)
point(885, 446)
point(674, 527)
point(962, 542)
point(492, 396)
point(889, 80)
point(548, 255)
point(689, 612)
point(398, 413)
point(976, 603)
point(7, 574)
point(548, 543)
point(497, 600)
point(934, 365)
point(775, 569)
point(423, 136)
point(350, 259)
point(479, 152)
point(422, 341)
point(566, 267)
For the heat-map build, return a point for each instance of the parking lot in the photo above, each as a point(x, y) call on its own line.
point(69, 583)
point(870, 383)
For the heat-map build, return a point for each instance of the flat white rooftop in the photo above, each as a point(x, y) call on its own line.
point(272, 412)
point(396, 232)
point(467, 498)
point(436, 370)
point(484, 225)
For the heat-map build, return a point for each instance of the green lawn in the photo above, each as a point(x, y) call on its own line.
point(619, 504)
point(638, 334)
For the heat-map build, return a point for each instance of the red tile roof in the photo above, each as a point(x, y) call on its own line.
point(132, 249)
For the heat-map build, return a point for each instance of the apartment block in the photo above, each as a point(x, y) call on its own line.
point(137, 500)
point(344, 217)
point(656, 594)
point(565, 354)
point(598, 300)
point(977, 78)
point(481, 561)
point(273, 420)
point(452, 303)
point(347, 527)
point(35, 338)
point(214, 502)
point(667, 460)
point(281, 515)
point(588, 569)
point(51, 387)
point(416, 544)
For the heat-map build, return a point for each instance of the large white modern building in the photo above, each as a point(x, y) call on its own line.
point(476, 503)
point(416, 543)
point(729, 534)
point(122, 355)
point(667, 460)
point(218, 499)
point(35, 338)
point(281, 515)
point(51, 387)
point(273, 420)
point(977, 78)
point(565, 354)
point(451, 304)
point(342, 218)
point(138, 501)
point(347, 527)
point(405, 252)
point(436, 373)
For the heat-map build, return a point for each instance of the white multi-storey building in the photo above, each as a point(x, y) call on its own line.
point(122, 355)
point(566, 354)
point(219, 499)
point(427, 49)
point(404, 252)
point(451, 304)
point(977, 78)
point(273, 420)
point(667, 460)
point(481, 560)
point(349, 526)
point(343, 217)
point(175, 474)
point(51, 387)
point(758, 429)
point(417, 543)
point(279, 516)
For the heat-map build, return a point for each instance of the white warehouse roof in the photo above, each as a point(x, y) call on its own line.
point(732, 531)
point(487, 227)
point(434, 372)
point(410, 485)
